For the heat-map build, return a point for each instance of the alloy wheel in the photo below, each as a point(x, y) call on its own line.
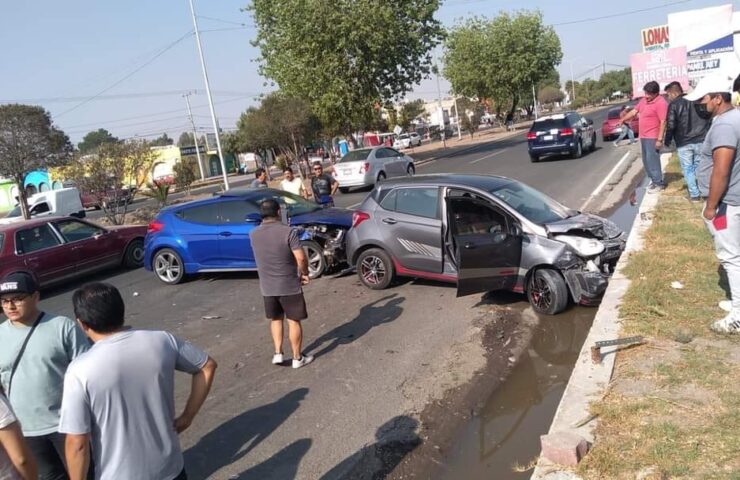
point(167, 266)
point(372, 270)
point(540, 293)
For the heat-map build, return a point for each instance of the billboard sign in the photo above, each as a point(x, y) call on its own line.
point(662, 66)
point(655, 38)
point(707, 34)
point(184, 151)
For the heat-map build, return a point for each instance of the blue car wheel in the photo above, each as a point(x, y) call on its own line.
point(168, 266)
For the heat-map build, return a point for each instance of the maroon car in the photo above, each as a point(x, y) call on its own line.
point(56, 249)
point(112, 196)
point(609, 128)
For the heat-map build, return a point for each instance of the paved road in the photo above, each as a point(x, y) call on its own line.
point(380, 355)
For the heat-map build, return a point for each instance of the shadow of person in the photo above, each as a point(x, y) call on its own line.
point(236, 437)
point(282, 465)
point(395, 439)
point(371, 315)
point(724, 282)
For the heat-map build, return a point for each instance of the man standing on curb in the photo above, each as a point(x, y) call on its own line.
point(653, 110)
point(687, 129)
point(36, 348)
point(282, 267)
point(120, 395)
point(719, 181)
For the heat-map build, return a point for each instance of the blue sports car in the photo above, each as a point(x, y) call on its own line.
point(212, 235)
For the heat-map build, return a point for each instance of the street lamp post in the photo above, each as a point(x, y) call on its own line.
point(195, 136)
point(210, 97)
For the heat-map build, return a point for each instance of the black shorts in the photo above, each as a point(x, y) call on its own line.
point(292, 307)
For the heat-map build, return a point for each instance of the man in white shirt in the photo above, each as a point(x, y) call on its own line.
point(292, 184)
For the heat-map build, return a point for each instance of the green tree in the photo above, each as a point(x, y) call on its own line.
point(29, 141)
point(186, 140)
point(162, 141)
point(501, 58)
point(340, 61)
point(470, 114)
point(185, 174)
point(92, 140)
point(409, 112)
point(550, 95)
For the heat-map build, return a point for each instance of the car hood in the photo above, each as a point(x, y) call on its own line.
point(339, 217)
point(599, 227)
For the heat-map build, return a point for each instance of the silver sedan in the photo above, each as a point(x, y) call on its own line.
point(369, 166)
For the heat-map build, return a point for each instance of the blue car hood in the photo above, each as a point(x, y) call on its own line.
point(339, 217)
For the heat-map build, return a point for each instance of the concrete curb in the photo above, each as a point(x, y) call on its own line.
point(589, 381)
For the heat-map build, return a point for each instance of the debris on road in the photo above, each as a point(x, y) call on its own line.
point(624, 342)
point(210, 317)
point(677, 285)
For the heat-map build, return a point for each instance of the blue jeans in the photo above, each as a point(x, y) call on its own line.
point(651, 161)
point(625, 132)
point(689, 156)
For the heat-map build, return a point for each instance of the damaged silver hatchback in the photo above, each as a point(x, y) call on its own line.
point(484, 233)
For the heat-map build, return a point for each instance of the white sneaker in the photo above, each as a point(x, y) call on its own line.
point(277, 359)
point(726, 305)
point(305, 360)
point(729, 324)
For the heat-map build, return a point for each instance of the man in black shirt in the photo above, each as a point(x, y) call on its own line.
point(322, 184)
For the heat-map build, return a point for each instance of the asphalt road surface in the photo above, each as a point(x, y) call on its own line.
point(380, 356)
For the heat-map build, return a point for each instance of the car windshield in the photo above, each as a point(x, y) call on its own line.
point(401, 137)
point(293, 204)
point(613, 114)
point(355, 156)
point(532, 204)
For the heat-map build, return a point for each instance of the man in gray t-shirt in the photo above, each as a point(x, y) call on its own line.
point(282, 268)
point(719, 182)
point(119, 396)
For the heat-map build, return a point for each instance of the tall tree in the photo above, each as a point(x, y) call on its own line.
point(29, 141)
point(470, 114)
point(162, 141)
point(410, 111)
point(501, 58)
point(92, 140)
point(340, 61)
point(186, 140)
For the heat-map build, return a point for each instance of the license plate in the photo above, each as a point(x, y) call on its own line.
point(547, 137)
point(347, 172)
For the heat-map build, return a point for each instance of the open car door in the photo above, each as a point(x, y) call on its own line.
point(486, 243)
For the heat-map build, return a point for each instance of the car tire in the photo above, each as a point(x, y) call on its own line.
point(134, 256)
point(578, 153)
point(547, 291)
point(315, 257)
point(410, 170)
point(168, 266)
point(375, 269)
point(381, 178)
point(592, 147)
point(344, 189)
point(534, 158)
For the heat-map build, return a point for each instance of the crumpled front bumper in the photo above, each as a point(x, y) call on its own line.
point(586, 287)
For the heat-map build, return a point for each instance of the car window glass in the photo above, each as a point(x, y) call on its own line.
point(389, 202)
point(207, 214)
point(40, 208)
point(36, 238)
point(292, 204)
point(381, 153)
point(549, 124)
point(355, 156)
point(73, 230)
point(392, 153)
point(421, 202)
point(471, 217)
point(236, 211)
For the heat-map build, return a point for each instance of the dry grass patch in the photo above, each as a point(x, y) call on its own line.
point(673, 410)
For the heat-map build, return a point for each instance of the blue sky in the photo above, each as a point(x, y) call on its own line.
point(60, 54)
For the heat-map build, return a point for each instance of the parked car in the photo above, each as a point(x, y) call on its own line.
point(102, 199)
point(212, 235)
point(51, 203)
point(367, 166)
point(567, 133)
point(609, 128)
point(57, 249)
point(407, 140)
point(483, 233)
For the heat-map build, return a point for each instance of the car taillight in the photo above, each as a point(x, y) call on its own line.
point(531, 136)
point(154, 227)
point(365, 167)
point(358, 218)
point(566, 131)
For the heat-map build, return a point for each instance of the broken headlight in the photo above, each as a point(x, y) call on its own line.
point(587, 247)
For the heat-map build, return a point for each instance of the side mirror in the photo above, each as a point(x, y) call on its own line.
point(253, 218)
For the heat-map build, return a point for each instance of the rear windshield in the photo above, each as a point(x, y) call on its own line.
point(355, 156)
point(549, 124)
point(614, 114)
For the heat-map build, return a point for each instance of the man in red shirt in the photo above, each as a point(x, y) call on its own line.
point(653, 110)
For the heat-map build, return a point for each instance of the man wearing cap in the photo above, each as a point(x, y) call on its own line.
point(719, 180)
point(35, 350)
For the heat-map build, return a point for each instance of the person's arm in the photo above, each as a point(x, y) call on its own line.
point(722, 159)
point(628, 116)
point(302, 261)
point(662, 115)
point(75, 341)
point(77, 454)
point(334, 185)
point(199, 389)
point(11, 439)
point(670, 124)
point(304, 191)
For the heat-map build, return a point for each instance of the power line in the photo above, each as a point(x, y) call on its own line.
point(223, 93)
point(622, 14)
point(230, 22)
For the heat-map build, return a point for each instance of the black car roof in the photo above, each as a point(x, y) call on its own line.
point(482, 182)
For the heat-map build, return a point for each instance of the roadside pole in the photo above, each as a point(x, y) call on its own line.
point(534, 101)
point(440, 109)
point(457, 120)
point(195, 135)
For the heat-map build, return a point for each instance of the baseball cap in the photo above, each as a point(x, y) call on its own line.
point(18, 283)
point(714, 83)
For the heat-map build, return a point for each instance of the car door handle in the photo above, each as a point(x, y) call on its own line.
point(225, 234)
point(389, 221)
point(469, 246)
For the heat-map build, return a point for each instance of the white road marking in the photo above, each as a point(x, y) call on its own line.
point(352, 207)
point(606, 179)
point(489, 155)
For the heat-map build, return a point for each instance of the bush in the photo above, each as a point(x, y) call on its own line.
point(282, 161)
point(159, 191)
point(185, 174)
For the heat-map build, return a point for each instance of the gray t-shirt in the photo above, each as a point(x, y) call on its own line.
point(256, 183)
point(122, 393)
point(273, 244)
point(36, 393)
point(724, 132)
point(7, 470)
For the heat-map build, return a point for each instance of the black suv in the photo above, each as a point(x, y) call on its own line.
point(565, 133)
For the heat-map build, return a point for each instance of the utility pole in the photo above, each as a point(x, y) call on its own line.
point(441, 111)
point(210, 98)
point(457, 120)
point(534, 101)
point(195, 135)
point(572, 83)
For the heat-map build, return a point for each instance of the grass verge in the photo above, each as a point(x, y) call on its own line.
point(672, 409)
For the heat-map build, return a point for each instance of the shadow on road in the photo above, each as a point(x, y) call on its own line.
point(371, 315)
point(235, 438)
point(395, 439)
point(283, 464)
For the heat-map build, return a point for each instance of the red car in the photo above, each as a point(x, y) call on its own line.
point(609, 128)
point(56, 249)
